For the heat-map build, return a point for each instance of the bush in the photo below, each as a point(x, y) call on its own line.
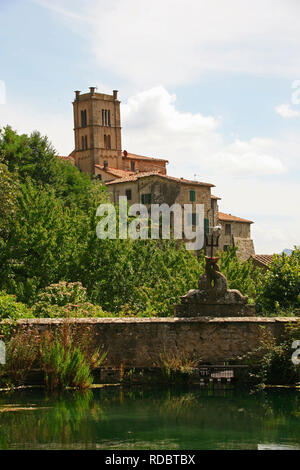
point(10, 312)
point(67, 359)
point(271, 363)
point(65, 300)
point(11, 309)
point(21, 353)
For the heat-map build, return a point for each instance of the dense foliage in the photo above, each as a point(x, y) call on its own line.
point(49, 247)
point(270, 363)
point(281, 286)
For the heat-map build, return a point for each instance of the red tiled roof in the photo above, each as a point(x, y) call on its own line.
point(232, 218)
point(68, 157)
point(115, 171)
point(139, 175)
point(133, 156)
point(264, 259)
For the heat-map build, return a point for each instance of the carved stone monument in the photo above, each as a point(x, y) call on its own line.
point(213, 298)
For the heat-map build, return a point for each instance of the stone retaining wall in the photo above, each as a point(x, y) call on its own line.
point(138, 342)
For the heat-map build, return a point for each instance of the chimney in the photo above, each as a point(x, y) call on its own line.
point(125, 153)
point(105, 164)
point(92, 90)
point(77, 93)
point(115, 92)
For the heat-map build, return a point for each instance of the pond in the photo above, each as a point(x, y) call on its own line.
point(150, 418)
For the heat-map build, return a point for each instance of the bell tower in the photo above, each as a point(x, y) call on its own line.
point(97, 129)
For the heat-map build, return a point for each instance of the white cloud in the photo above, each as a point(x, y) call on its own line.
point(179, 40)
point(192, 142)
point(286, 111)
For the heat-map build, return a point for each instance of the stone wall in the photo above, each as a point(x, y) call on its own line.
point(138, 342)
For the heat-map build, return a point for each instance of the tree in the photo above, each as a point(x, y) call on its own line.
point(281, 287)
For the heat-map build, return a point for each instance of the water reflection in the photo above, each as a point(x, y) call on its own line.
point(141, 418)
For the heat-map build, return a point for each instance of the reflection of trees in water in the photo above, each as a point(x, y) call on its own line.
point(128, 416)
point(56, 418)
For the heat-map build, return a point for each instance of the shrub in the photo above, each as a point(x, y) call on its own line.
point(21, 353)
point(66, 359)
point(65, 300)
point(10, 308)
point(177, 366)
point(271, 363)
point(10, 312)
point(64, 366)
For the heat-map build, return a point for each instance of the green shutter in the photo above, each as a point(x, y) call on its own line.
point(192, 196)
point(143, 198)
point(206, 225)
point(149, 198)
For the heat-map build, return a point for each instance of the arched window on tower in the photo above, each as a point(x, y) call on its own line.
point(86, 142)
point(82, 143)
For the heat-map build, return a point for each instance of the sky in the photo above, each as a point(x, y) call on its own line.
point(212, 86)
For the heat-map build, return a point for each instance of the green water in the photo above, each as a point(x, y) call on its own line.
point(142, 418)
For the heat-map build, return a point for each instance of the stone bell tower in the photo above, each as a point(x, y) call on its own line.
point(97, 128)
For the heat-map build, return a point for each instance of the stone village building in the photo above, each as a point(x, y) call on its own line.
point(98, 151)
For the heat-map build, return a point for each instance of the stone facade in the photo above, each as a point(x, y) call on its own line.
point(236, 232)
point(97, 128)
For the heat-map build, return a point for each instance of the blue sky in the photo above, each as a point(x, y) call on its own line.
point(207, 85)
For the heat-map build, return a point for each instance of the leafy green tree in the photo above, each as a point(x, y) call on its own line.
point(42, 243)
point(8, 189)
point(281, 286)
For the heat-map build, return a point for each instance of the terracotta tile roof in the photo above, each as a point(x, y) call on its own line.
point(145, 174)
point(68, 157)
point(133, 156)
point(264, 259)
point(133, 177)
point(232, 218)
point(115, 171)
point(215, 197)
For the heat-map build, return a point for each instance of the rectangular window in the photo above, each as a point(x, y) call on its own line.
point(83, 118)
point(225, 248)
point(227, 229)
point(132, 166)
point(146, 198)
point(206, 226)
point(128, 194)
point(192, 196)
point(108, 117)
